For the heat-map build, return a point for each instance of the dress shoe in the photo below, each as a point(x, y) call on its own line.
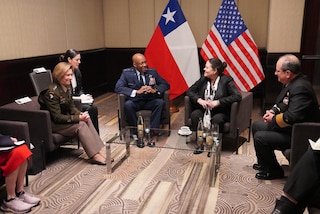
point(93, 161)
point(258, 167)
point(198, 150)
point(151, 144)
point(140, 143)
point(285, 206)
point(265, 175)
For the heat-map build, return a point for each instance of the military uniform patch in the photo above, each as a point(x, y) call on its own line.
point(51, 95)
point(286, 99)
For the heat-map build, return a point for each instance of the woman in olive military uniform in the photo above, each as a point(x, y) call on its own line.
point(66, 119)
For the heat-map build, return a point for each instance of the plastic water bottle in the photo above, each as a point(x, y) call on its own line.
point(200, 130)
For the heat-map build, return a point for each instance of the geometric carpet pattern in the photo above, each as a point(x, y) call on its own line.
point(151, 180)
point(240, 192)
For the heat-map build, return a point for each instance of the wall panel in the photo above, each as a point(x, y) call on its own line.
point(31, 28)
point(55, 26)
point(84, 24)
point(196, 13)
point(116, 23)
point(10, 30)
point(141, 25)
point(285, 25)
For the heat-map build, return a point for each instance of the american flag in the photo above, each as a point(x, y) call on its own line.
point(230, 40)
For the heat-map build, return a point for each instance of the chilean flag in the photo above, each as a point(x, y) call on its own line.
point(172, 50)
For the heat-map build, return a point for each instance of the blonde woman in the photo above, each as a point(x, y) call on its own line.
point(66, 119)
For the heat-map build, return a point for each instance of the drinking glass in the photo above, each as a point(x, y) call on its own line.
point(215, 132)
point(209, 141)
point(147, 129)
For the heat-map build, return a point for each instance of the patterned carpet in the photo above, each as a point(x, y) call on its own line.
point(151, 180)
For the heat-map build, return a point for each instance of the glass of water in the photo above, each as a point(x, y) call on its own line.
point(215, 132)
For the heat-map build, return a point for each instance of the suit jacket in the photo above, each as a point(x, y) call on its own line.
point(297, 102)
point(77, 91)
point(226, 93)
point(60, 104)
point(129, 81)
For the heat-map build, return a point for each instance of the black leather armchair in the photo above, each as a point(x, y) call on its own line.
point(301, 132)
point(42, 80)
point(240, 118)
point(39, 122)
point(18, 130)
point(165, 117)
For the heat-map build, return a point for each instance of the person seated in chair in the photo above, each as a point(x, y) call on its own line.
point(297, 102)
point(302, 188)
point(144, 88)
point(73, 57)
point(214, 91)
point(66, 119)
point(13, 165)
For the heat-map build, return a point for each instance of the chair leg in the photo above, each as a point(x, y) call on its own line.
point(119, 125)
point(27, 179)
point(249, 131)
point(78, 140)
point(237, 141)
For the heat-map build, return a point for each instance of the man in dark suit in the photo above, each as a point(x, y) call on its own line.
point(296, 103)
point(302, 188)
point(144, 88)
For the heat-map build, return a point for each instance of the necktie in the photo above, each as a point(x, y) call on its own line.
point(141, 80)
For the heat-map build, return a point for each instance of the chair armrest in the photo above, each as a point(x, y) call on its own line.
point(39, 123)
point(244, 111)
point(121, 102)
point(166, 98)
point(301, 132)
point(240, 114)
point(17, 129)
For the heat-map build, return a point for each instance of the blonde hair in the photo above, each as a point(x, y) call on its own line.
point(60, 71)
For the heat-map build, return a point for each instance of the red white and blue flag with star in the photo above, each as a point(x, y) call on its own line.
point(230, 40)
point(172, 50)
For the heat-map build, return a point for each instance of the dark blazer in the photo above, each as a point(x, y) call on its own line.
point(226, 93)
point(296, 103)
point(60, 104)
point(129, 81)
point(77, 91)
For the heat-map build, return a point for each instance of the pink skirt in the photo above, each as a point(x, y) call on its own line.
point(11, 160)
